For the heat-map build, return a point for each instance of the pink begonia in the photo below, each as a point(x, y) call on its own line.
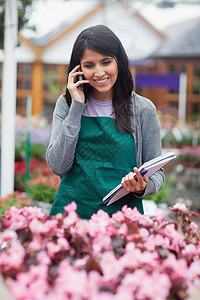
point(30, 285)
point(40, 227)
point(70, 219)
point(82, 227)
point(118, 216)
point(8, 235)
point(131, 258)
point(133, 280)
point(123, 293)
point(36, 244)
point(71, 281)
point(143, 232)
point(139, 270)
point(110, 266)
point(98, 224)
point(189, 249)
point(156, 240)
point(135, 216)
point(155, 286)
point(101, 242)
point(134, 257)
point(178, 241)
point(194, 269)
point(178, 266)
point(71, 207)
point(181, 207)
point(32, 212)
point(123, 230)
point(13, 257)
point(160, 217)
point(193, 227)
point(43, 258)
point(53, 248)
point(20, 217)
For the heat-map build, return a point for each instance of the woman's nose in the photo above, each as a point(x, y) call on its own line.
point(99, 71)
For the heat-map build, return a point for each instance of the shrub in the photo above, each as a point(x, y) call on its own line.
point(129, 256)
point(43, 188)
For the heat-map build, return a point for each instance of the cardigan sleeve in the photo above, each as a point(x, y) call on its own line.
point(66, 124)
point(150, 143)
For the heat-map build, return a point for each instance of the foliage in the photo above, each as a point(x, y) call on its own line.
point(173, 133)
point(190, 154)
point(129, 256)
point(164, 193)
point(24, 6)
point(43, 188)
point(17, 199)
point(37, 168)
point(39, 138)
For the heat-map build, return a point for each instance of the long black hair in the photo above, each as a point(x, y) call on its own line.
point(101, 39)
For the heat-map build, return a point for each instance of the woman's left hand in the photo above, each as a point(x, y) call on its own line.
point(130, 184)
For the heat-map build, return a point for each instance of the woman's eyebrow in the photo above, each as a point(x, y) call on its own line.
point(91, 62)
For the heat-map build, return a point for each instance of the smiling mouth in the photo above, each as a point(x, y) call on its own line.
point(101, 80)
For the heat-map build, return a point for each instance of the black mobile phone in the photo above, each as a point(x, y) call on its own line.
point(80, 77)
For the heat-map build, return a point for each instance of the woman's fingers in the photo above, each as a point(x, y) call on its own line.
point(74, 86)
point(135, 182)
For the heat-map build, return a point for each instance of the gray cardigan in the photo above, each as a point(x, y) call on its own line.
point(60, 153)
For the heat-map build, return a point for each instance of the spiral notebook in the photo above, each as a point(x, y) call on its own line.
point(148, 169)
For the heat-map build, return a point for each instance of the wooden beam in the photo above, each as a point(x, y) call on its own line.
point(37, 88)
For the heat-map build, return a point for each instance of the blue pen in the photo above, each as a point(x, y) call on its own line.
point(142, 173)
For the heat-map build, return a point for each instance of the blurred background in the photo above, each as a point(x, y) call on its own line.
point(162, 40)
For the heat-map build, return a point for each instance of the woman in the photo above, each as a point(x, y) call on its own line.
point(101, 129)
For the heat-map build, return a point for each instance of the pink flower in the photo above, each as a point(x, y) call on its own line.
point(180, 207)
point(8, 235)
point(110, 266)
point(123, 230)
point(40, 227)
point(101, 242)
point(72, 207)
point(178, 267)
point(193, 227)
point(160, 217)
point(189, 249)
point(194, 270)
point(118, 216)
point(36, 244)
point(13, 256)
point(150, 289)
point(43, 258)
point(70, 219)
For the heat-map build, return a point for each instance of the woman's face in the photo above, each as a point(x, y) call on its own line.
point(102, 72)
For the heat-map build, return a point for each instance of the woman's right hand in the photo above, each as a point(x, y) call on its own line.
point(74, 86)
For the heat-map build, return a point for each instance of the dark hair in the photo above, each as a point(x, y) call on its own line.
point(103, 40)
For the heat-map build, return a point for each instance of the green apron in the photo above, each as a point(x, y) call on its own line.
point(103, 156)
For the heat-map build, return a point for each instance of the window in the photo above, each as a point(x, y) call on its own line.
point(24, 76)
point(196, 80)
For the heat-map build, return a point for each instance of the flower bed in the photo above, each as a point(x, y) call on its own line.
point(128, 256)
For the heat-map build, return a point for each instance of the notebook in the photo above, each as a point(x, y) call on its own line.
point(148, 169)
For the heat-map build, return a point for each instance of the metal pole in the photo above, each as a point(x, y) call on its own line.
point(28, 138)
point(182, 98)
point(8, 109)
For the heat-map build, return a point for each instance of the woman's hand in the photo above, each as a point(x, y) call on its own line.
point(130, 184)
point(74, 86)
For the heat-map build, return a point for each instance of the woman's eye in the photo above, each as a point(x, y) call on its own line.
point(88, 66)
point(107, 62)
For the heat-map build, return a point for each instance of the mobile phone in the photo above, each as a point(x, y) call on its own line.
point(80, 77)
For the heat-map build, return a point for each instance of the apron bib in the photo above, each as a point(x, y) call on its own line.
point(103, 156)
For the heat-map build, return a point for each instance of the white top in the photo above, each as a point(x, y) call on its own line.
point(96, 108)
